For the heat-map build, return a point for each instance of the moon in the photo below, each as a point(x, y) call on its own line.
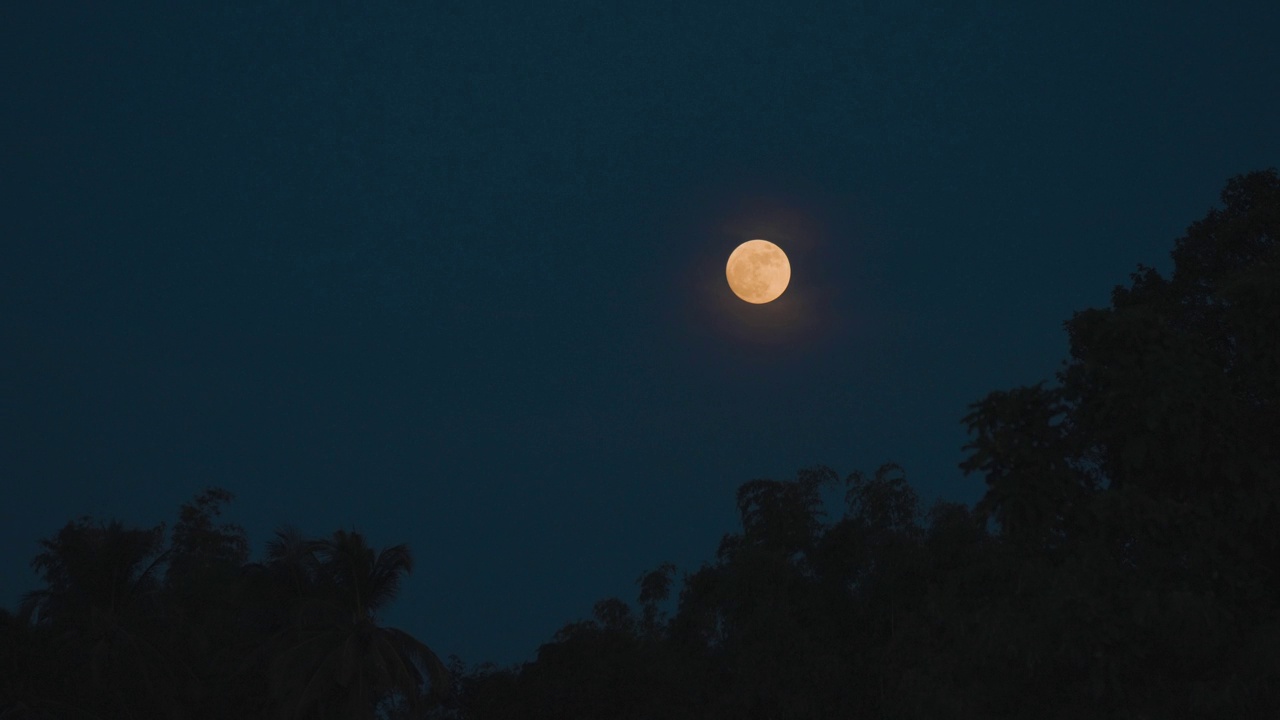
point(758, 271)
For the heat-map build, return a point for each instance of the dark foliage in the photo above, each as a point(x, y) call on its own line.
point(131, 626)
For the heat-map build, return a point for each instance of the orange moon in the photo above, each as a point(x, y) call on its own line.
point(758, 271)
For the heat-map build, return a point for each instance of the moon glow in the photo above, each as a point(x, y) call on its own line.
point(758, 271)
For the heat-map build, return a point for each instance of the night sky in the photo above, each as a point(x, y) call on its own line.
point(452, 273)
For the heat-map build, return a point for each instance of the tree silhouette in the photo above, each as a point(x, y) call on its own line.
point(1151, 470)
point(333, 659)
point(129, 625)
point(98, 612)
point(203, 598)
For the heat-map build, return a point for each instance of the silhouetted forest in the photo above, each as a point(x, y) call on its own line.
point(1124, 562)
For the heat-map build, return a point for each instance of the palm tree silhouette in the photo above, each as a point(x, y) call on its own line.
point(99, 605)
point(333, 659)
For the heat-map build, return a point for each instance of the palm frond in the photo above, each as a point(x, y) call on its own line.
point(420, 654)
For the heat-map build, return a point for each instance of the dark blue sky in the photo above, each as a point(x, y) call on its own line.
point(451, 273)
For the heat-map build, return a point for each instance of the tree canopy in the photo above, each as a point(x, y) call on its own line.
point(147, 624)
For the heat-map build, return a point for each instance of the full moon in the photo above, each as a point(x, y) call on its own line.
point(758, 271)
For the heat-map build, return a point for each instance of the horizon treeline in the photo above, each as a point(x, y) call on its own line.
point(1123, 562)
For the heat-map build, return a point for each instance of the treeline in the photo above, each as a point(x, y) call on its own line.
point(1124, 562)
point(140, 623)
